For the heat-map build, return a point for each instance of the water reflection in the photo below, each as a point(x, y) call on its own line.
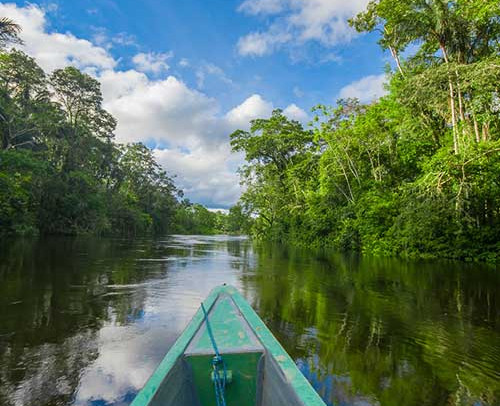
point(382, 331)
point(86, 321)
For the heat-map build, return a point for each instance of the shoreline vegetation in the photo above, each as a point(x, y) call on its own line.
point(61, 172)
point(415, 173)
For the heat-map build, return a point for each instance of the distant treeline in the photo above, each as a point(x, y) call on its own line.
point(416, 173)
point(61, 171)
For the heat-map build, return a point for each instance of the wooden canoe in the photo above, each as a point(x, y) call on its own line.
point(257, 370)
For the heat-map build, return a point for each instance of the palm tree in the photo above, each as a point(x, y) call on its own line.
point(9, 31)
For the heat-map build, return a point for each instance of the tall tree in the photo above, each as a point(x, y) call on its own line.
point(461, 30)
point(273, 148)
point(25, 105)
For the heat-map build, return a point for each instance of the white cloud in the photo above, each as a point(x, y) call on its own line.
point(209, 69)
point(294, 112)
point(166, 111)
point(124, 39)
point(192, 134)
point(55, 50)
point(186, 125)
point(184, 63)
point(262, 6)
point(205, 174)
point(262, 43)
point(299, 21)
point(365, 89)
point(253, 107)
point(152, 62)
point(102, 39)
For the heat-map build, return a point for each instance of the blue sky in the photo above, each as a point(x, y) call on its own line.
point(182, 75)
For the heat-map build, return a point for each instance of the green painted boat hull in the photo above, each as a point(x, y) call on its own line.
point(261, 372)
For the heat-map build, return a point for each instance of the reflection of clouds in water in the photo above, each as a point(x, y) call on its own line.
point(169, 259)
point(50, 370)
point(129, 354)
point(120, 367)
point(95, 333)
point(183, 240)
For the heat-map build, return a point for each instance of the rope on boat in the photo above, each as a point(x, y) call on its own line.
point(217, 364)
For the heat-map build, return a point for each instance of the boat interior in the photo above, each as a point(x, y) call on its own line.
point(253, 375)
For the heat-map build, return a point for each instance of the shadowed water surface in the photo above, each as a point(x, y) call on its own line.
point(86, 321)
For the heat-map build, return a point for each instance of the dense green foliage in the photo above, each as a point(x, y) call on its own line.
point(61, 171)
point(416, 173)
point(197, 219)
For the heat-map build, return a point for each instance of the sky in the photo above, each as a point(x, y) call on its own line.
point(181, 76)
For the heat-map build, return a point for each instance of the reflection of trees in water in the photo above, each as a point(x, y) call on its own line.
point(57, 294)
point(385, 331)
point(366, 331)
point(240, 251)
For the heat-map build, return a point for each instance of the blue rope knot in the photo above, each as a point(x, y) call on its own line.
point(217, 363)
point(217, 360)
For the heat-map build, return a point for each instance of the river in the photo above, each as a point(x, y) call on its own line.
point(85, 321)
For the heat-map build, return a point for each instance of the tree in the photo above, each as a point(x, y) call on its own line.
point(60, 171)
point(463, 31)
point(237, 221)
point(147, 193)
point(87, 127)
point(273, 147)
point(27, 114)
point(81, 99)
point(9, 32)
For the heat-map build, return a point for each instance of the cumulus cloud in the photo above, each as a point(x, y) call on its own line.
point(365, 89)
point(253, 107)
point(296, 22)
point(197, 149)
point(206, 174)
point(294, 112)
point(55, 50)
point(164, 111)
point(152, 62)
point(189, 131)
point(262, 43)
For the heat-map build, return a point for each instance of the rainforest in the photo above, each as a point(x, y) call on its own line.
point(415, 173)
point(61, 172)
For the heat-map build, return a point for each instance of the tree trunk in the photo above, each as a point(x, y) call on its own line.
point(395, 55)
point(453, 117)
point(476, 129)
point(460, 102)
point(452, 103)
point(486, 131)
